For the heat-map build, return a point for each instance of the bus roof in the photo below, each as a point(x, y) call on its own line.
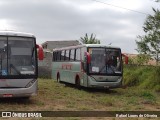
point(13, 33)
point(85, 45)
point(100, 45)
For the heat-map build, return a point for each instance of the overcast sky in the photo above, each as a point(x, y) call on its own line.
point(71, 19)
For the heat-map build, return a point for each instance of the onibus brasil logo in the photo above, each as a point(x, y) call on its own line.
point(21, 114)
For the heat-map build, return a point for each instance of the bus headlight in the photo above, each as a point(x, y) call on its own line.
point(30, 83)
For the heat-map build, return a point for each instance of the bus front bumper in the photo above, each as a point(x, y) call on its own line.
point(105, 85)
point(19, 92)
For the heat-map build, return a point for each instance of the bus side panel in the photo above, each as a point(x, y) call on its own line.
point(55, 69)
point(76, 70)
point(84, 80)
point(69, 72)
point(63, 72)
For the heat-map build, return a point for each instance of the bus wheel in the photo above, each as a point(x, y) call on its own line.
point(78, 83)
point(58, 78)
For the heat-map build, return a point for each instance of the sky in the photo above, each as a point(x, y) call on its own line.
point(51, 20)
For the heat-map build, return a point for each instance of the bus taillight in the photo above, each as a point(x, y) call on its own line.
point(40, 52)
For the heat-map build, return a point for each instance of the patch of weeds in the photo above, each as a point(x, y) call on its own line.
point(132, 100)
point(139, 107)
point(148, 97)
point(84, 107)
point(39, 103)
point(107, 101)
point(71, 104)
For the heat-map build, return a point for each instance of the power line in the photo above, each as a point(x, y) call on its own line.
point(121, 7)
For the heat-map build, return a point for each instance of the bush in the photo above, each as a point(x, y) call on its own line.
point(146, 77)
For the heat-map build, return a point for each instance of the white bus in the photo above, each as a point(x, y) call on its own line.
point(18, 64)
point(90, 65)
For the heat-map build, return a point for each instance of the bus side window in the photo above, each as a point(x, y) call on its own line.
point(63, 55)
point(54, 56)
point(72, 55)
point(67, 55)
point(58, 55)
point(78, 54)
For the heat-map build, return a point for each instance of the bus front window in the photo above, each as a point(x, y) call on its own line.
point(105, 61)
point(21, 57)
point(3, 56)
point(17, 56)
point(113, 61)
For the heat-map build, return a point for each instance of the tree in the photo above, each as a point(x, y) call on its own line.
point(150, 42)
point(91, 40)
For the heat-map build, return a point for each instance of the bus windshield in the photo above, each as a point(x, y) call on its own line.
point(105, 61)
point(17, 56)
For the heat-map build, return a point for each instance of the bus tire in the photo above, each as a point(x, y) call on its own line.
point(58, 78)
point(78, 86)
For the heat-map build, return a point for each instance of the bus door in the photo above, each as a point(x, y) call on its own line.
point(85, 63)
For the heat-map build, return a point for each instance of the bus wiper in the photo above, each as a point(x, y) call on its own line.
point(111, 69)
point(12, 66)
point(32, 59)
point(102, 69)
point(33, 51)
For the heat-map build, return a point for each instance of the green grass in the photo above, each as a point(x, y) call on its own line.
point(53, 96)
point(144, 77)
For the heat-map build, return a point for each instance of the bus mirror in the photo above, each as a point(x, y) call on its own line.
point(88, 57)
point(40, 52)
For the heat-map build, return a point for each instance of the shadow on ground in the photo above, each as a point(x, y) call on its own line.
point(92, 90)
